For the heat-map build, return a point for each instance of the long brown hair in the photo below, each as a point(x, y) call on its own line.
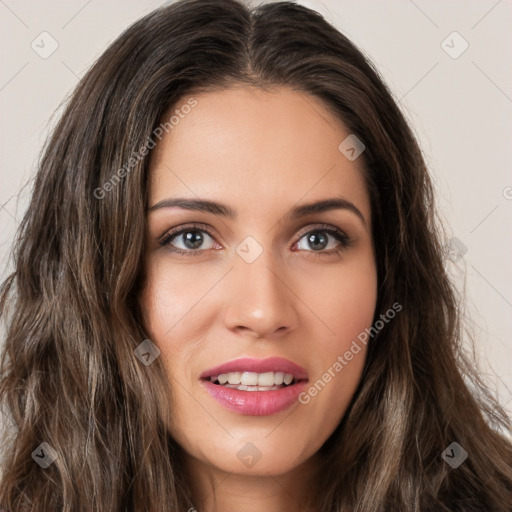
point(69, 376)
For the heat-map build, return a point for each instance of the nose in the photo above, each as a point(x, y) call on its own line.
point(259, 300)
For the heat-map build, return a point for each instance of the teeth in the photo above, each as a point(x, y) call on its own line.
point(278, 378)
point(252, 388)
point(251, 381)
point(266, 379)
point(234, 378)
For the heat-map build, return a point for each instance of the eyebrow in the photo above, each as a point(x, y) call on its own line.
point(204, 205)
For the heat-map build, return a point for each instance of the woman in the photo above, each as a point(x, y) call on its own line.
point(229, 290)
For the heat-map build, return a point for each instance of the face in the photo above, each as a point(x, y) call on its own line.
point(260, 290)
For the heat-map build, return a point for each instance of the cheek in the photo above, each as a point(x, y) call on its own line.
point(353, 309)
point(165, 300)
point(344, 301)
point(177, 315)
point(170, 298)
point(347, 307)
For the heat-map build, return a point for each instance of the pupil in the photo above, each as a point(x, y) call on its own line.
point(194, 237)
point(314, 237)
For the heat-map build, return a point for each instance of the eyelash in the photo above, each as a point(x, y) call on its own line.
point(339, 235)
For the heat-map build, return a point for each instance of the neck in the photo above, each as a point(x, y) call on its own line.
point(215, 490)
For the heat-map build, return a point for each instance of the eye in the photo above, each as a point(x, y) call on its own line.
point(318, 239)
point(191, 239)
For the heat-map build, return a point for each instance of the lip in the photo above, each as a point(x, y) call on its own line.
point(247, 364)
point(257, 403)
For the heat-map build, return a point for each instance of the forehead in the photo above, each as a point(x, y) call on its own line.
point(254, 147)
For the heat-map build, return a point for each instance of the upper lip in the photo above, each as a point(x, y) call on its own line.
point(247, 364)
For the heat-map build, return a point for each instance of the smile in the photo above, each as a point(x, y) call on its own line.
point(256, 387)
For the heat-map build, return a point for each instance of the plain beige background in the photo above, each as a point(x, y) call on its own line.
point(458, 100)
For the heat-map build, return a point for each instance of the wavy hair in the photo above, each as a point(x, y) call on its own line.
point(69, 376)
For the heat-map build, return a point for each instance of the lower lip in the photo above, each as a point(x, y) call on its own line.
point(255, 403)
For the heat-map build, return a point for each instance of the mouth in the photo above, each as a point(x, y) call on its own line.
point(252, 381)
point(256, 386)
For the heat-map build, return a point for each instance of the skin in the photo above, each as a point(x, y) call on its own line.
point(261, 153)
